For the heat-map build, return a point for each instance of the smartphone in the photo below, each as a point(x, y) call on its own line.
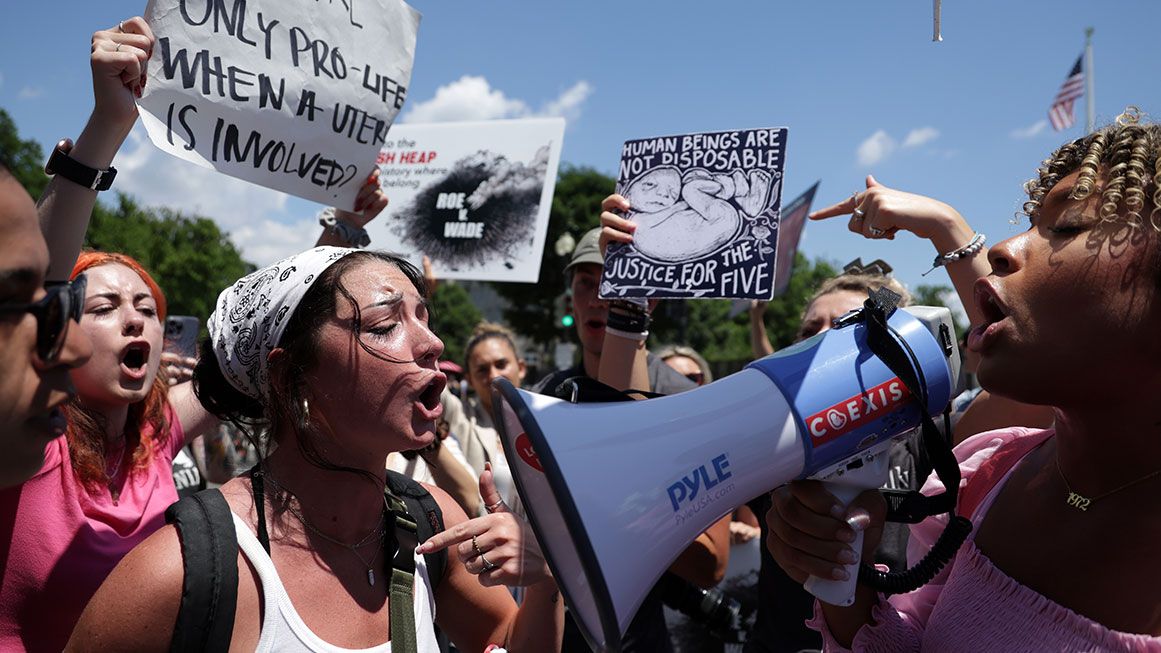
point(181, 335)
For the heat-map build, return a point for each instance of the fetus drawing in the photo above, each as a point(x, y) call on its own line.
point(684, 217)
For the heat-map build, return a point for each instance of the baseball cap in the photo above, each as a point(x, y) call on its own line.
point(588, 250)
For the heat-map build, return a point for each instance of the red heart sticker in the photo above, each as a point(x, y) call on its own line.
point(527, 453)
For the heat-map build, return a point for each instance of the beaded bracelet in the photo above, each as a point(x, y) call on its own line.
point(971, 249)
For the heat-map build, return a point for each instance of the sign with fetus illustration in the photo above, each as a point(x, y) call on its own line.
point(706, 208)
point(473, 196)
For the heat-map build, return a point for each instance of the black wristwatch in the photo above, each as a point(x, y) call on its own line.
point(60, 163)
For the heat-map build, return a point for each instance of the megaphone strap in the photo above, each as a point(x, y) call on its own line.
point(913, 507)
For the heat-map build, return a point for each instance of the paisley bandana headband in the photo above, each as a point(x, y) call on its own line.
point(252, 314)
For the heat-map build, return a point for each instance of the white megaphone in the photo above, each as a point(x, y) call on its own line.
point(615, 491)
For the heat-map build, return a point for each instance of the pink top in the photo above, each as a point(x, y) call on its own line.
point(65, 541)
point(972, 605)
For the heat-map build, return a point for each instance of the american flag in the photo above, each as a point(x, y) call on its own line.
point(1060, 113)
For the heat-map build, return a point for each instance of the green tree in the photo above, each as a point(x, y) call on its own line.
point(189, 256)
point(706, 325)
point(454, 316)
point(25, 157)
point(575, 209)
point(933, 295)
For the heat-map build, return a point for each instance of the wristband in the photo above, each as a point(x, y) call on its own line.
point(630, 335)
point(60, 163)
point(623, 321)
point(354, 236)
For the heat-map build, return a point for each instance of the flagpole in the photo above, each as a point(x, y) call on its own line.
point(1090, 85)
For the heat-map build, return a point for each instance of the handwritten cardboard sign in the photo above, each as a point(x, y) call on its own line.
point(706, 208)
point(473, 196)
point(294, 96)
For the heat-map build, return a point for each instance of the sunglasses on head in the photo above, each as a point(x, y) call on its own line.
point(61, 302)
point(696, 377)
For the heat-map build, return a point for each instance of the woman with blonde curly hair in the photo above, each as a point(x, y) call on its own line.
point(1063, 553)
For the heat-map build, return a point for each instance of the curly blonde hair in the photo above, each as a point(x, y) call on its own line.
point(1127, 152)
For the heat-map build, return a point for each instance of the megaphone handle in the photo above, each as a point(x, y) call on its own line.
point(840, 592)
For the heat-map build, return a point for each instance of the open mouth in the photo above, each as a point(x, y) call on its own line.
point(135, 357)
point(428, 402)
point(982, 335)
point(430, 395)
point(595, 324)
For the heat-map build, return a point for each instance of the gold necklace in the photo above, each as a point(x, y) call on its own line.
point(1081, 502)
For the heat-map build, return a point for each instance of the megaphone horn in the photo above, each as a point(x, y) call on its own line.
point(615, 491)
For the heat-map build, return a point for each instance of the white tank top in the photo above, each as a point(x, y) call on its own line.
point(283, 631)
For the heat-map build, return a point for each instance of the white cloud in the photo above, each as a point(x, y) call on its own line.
point(917, 137)
point(30, 92)
point(473, 98)
point(1029, 131)
point(568, 104)
point(267, 241)
point(255, 217)
point(876, 148)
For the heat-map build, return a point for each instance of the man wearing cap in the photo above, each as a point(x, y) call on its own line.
point(583, 275)
point(703, 563)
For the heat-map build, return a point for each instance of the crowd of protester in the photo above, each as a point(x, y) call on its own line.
point(356, 498)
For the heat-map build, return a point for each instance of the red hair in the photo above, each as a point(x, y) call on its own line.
point(86, 430)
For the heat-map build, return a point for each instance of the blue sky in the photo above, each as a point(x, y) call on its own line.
point(860, 85)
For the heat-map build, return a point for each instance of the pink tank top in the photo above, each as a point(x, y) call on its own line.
point(58, 542)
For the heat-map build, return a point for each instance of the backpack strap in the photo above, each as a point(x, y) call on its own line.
point(209, 589)
point(428, 518)
point(1003, 459)
point(402, 577)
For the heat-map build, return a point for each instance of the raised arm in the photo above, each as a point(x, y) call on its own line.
point(118, 66)
point(347, 228)
point(759, 341)
point(880, 212)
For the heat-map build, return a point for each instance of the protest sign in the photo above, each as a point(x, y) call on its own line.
point(706, 208)
point(294, 96)
point(473, 196)
point(789, 233)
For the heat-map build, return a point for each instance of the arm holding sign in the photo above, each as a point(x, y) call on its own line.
point(369, 203)
point(118, 64)
point(704, 561)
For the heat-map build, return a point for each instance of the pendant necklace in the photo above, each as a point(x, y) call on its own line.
point(376, 535)
point(1081, 502)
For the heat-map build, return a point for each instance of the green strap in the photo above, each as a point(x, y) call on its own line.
point(403, 579)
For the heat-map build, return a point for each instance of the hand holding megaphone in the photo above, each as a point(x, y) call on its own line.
point(498, 547)
point(813, 534)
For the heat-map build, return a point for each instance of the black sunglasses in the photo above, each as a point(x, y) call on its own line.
point(696, 377)
point(62, 302)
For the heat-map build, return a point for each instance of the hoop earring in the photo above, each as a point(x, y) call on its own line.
point(304, 419)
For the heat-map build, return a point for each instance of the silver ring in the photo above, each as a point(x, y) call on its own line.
point(121, 26)
point(118, 48)
point(858, 213)
point(492, 508)
point(876, 232)
point(488, 565)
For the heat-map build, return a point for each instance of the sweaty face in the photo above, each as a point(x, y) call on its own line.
point(1071, 307)
point(492, 358)
point(377, 391)
point(120, 319)
point(591, 312)
point(31, 390)
point(822, 312)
